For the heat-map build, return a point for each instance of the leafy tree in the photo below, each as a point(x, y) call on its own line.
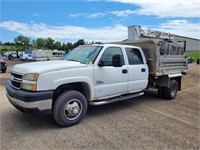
point(79, 42)
point(8, 44)
point(49, 43)
point(40, 43)
point(69, 46)
point(22, 42)
point(57, 45)
point(34, 44)
point(26, 42)
point(98, 42)
point(64, 46)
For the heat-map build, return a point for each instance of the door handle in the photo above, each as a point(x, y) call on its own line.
point(124, 71)
point(143, 69)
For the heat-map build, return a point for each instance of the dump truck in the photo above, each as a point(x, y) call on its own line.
point(96, 75)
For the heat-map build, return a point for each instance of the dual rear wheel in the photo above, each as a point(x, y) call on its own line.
point(170, 92)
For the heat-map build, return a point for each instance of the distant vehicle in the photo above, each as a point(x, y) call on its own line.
point(47, 54)
point(27, 51)
point(20, 56)
point(12, 54)
point(3, 66)
point(3, 54)
point(190, 59)
point(26, 57)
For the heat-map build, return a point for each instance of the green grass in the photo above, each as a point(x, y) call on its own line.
point(7, 48)
point(4, 48)
point(194, 54)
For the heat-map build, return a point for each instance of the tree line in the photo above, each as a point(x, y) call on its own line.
point(23, 42)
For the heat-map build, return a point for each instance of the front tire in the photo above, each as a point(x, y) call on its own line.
point(69, 108)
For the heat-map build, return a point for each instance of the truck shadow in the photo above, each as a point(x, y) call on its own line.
point(98, 111)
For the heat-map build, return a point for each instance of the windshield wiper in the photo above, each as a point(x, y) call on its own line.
point(72, 60)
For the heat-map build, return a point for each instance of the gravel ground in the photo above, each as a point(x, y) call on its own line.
point(147, 122)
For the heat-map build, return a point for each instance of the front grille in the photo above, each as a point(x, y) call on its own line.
point(16, 80)
point(16, 84)
point(18, 76)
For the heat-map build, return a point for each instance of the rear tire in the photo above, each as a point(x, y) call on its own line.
point(170, 93)
point(10, 57)
point(69, 108)
point(161, 92)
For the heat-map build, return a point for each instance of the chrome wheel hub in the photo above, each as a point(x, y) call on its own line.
point(73, 109)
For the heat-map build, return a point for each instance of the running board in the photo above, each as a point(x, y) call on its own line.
point(121, 98)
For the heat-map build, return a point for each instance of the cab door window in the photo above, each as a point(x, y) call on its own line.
point(108, 54)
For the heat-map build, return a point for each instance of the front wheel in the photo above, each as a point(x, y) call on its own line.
point(69, 108)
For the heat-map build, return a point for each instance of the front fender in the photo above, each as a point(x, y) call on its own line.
point(56, 83)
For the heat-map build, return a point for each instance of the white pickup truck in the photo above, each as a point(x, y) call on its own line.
point(95, 75)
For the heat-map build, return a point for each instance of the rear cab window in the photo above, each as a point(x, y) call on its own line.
point(134, 56)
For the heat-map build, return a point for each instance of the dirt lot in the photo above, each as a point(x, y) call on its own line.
point(147, 122)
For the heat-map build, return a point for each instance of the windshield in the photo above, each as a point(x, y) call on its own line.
point(84, 54)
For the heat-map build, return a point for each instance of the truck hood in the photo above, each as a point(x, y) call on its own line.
point(46, 66)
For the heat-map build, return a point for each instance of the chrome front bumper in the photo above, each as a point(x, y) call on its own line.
point(30, 102)
point(40, 105)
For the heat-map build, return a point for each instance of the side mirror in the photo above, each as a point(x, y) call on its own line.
point(117, 60)
point(101, 63)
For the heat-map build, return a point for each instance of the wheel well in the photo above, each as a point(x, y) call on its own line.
point(164, 81)
point(82, 87)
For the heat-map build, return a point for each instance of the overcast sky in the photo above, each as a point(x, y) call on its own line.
point(96, 20)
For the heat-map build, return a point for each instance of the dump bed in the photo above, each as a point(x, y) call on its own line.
point(161, 59)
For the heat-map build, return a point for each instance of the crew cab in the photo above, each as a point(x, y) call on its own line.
point(90, 74)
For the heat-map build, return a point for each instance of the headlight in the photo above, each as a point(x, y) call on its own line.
point(31, 77)
point(30, 87)
point(30, 82)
